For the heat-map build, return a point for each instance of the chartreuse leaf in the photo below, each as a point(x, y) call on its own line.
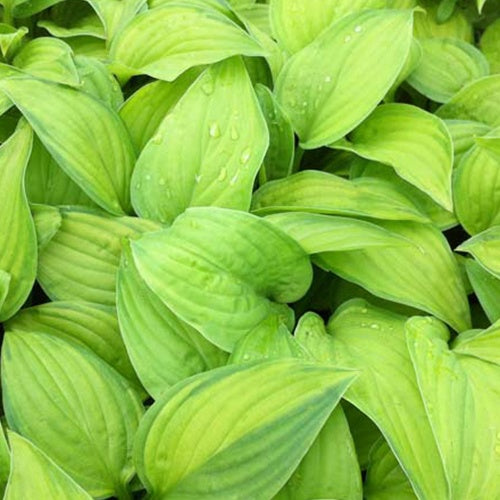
point(486, 287)
point(476, 188)
point(267, 413)
point(317, 91)
point(317, 233)
point(463, 134)
point(478, 101)
point(191, 35)
point(45, 480)
point(363, 337)
point(424, 275)
point(218, 165)
point(319, 192)
point(296, 23)
point(48, 184)
point(481, 344)
point(85, 137)
point(90, 412)
point(26, 8)
point(223, 271)
point(414, 142)
point(255, 14)
point(461, 399)
point(278, 161)
point(385, 480)
point(485, 248)
point(163, 349)
point(50, 59)
point(91, 325)
point(5, 460)
point(11, 39)
point(447, 65)
point(18, 251)
point(270, 339)
point(81, 259)
point(88, 46)
point(330, 468)
point(490, 46)
point(146, 108)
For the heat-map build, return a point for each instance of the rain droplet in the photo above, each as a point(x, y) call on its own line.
point(157, 139)
point(233, 180)
point(222, 174)
point(246, 357)
point(214, 130)
point(328, 78)
point(375, 326)
point(208, 87)
point(234, 133)
point(197, 178)
point(364, 310)
point(138, 185)
point(358, 29)
point(148, 177)
point(245, 156)
point(347, 39)
point(162, 181)
point(304, 104)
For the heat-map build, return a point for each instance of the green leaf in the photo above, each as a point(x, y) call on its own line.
point(81, 259)
point(218, 165)
point(447, 65)
point(5, 460)
point(260, 437)
point(278, 161)
point(255, 14)
point(223, 271)
point(485, 248)
point(412, 141)
point(11, 39)
point(317, 233)
point(478, 101)
point(146, 108)
point(385, 480)
point(490, 45)
point(163, 349)
point(424, 275)
point(191, 36)
point(17, 238)
point(91, 325)
point(26, 8)
point(86, 413)
point(462, 404)
point(330, 468)
point(49, 59)
point(45, 479)
point(481, 344)
point(88, 46)
point(486, 287)
point(297, 23)
point(85, 137)
point(320, 192)
point(366, 338)
point(463, 135)
point(317, 91)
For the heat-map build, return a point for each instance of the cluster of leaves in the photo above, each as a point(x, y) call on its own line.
point(250, 250)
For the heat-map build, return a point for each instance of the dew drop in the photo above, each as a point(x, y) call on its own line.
point(246, 357)
point(147, 177)
point(347, 39)
point(234, 133)
point(214, 130)
point(162, 182)
point(245, 156)
point(364, 310)
point(138, 185)
point(304, 104)
point(222, 174)
point(375, 326)
point(197, 178)
point(208, 88)
point(157, 139)
point(233, 180)
point(358, 29)
point(328, 78)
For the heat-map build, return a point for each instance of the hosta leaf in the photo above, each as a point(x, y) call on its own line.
point(190, 36)
point(271, 339)
point(47, 183)
point(26, 8)
point(320, 192)
point(486, 287)
point(81, 259)
point(11, 39)
point(424, 275)
point(415, 143)
point(485, 247)
point(146, 108)
point(447, 65)
point(18, 251)
point(91, 325)
point(258, 440)
point(330, 468)
point(385, 480)
point(476, 189)
point(244, 265)
point(88, 46)
point(463, 134)
point(85, 137)
point(45, 479)
point(296, 23)
point(317, 233)
point(363, 337)
point(50, 59)
point(218, 166)
point(256, 14)
point(481, 344)
point(5, 460)
point(86, 413)
point(317, 91)
point(98, 81)
point(163, 349)
point(278, 161)
point(478, 101)
point(490, 45)
point(462, 404)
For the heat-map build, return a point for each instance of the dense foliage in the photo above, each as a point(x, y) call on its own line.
point(250, 250)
